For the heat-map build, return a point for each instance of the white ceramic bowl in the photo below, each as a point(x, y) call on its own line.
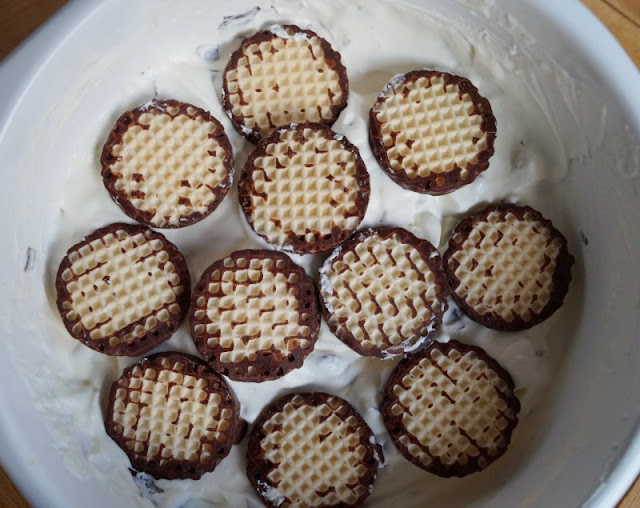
point(587, 448)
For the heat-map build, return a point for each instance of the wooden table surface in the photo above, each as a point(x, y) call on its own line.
point(20, 17)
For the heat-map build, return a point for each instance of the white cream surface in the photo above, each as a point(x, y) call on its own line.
point(168, 49)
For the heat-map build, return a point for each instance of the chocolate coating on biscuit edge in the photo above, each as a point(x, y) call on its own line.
point(431, 257)
point(180, 469)
point(116, 137)
point(395, 426)
point(299, 245)
point(258, 468)
point(271, 364)
point(332, 59)
point(437, 184)
point(151, 338)
point(561, 278)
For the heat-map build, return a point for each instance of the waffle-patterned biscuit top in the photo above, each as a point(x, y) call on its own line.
point(167, 164)
point(173, 416)
point(304, 188)
point(432, 131)
point(123, 289)
point(384, 292)
point(312, 450)
point(280, 76)
point(450, 409)
point(254, 315)
point(508, 267)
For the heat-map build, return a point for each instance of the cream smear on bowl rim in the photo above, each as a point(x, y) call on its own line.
point(546, 126)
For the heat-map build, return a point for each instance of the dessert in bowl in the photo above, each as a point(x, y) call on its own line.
point(566, 145)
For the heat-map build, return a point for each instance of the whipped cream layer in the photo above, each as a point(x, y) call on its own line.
point(170, 50)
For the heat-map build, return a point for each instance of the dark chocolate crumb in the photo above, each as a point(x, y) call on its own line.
point(146, 485)
point(583, 238)
point(30, 262)
point(239, 19)
point(452, 315)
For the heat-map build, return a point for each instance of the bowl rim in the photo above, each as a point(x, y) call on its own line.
point(582, 26)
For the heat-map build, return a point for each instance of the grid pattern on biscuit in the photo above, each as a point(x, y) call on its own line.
point(383, 292)
point(454, 407)
point(120, 279)
point(306, 186)
point(252, 305)
point(427, 128)
point(170, 166)
point(506, 266)
point(317, 452)
point(164, 414)
point(282, 81)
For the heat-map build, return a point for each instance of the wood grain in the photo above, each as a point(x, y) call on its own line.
point(619, 20)
point(21, 17)
point(9, 495)
point(629, 8)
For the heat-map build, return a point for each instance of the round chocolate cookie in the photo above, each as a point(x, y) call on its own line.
point(450, 409)
point(254, 315)
point(432, 131)
point(312, 449)
point(173, 416)
point(123, 290)
point(280, 76)
point(508, 267)
point(304, 188)
point(384, 292)
point(167, 164)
